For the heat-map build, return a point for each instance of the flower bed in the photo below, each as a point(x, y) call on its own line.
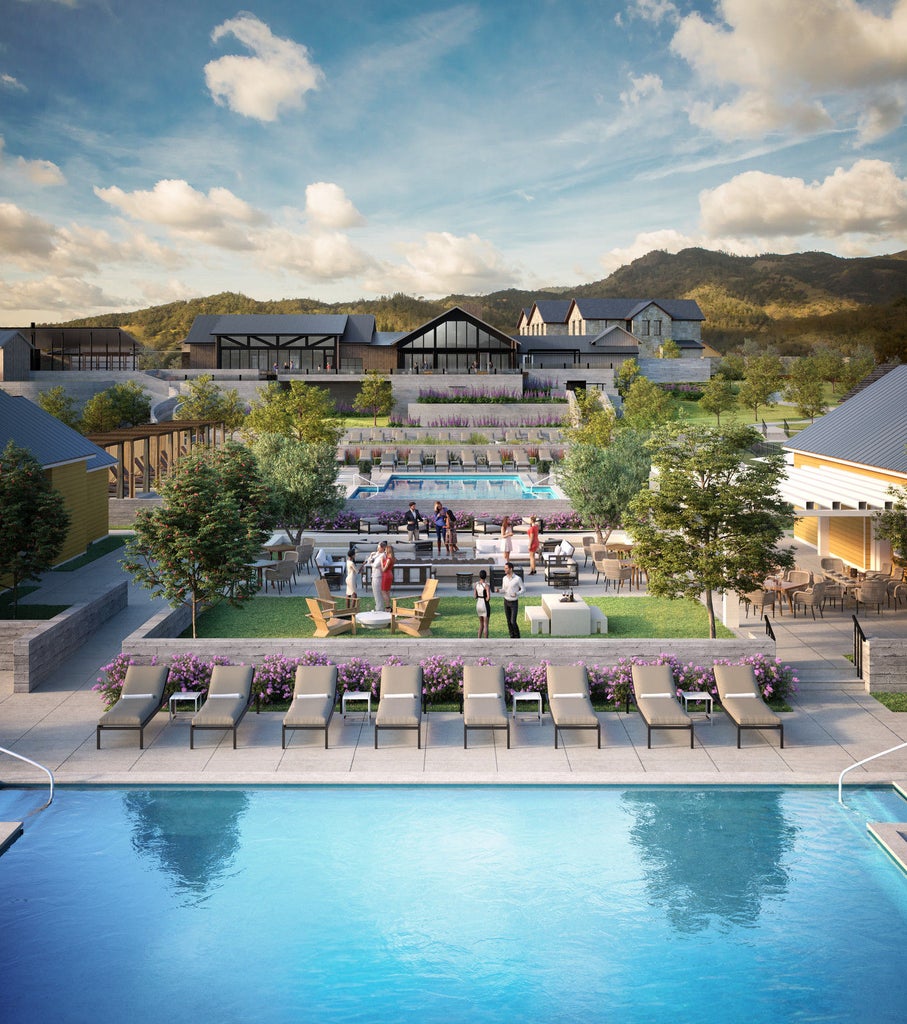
point(442, 677)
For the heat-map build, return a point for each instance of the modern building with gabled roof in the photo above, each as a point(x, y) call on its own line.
point(841, 467)
point(74, 465)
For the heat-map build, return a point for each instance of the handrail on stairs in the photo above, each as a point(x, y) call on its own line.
point(47, 771)
point(865, 760)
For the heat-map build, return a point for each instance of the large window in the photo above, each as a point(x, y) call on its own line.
point(455, 346)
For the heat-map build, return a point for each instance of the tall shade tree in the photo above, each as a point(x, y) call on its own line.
point(593, 419)
point(627, 372)
point(302, 411)
point(891, 524)
point(301, 479)
point(33, 518)
point(207, 400)
point(123, 405)
point(601, 481)
point(858, 365)
point(199, 546)
point(714, 518)
point(804, 388)
point(647, 406)
point(376, 396)
point(59, 404)
point(763, 378)
point(718, 396)
point(829, 363)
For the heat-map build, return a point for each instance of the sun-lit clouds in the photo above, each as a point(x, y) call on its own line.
point(327, 205)
point(11, 83)
point(444, 264)
point(641, 88)
point(315, 256)
point(667, 240)
point(62, 295)
point(275, 78)
point(43, 173)
point(869, 198)
point(217, 217)
point(23, 236)
point(786, 61)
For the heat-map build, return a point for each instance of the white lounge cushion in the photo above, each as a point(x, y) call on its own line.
point(136, 696)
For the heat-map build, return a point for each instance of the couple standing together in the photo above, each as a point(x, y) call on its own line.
point(442, 519)
point(511, 588)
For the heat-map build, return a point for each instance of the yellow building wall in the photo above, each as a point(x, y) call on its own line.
point(85, 495)
point(850, 539)
point(807, 530)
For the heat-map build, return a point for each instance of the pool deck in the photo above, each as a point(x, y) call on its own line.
point(833, 724)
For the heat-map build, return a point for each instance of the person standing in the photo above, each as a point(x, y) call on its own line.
point(439, 521)
point(374, 561)
point(534, 545)
point(387, 576)
point(506, 538)
point(412, 517)
point(511, 588)
point(450, 531)
point(352, 597)
point(482, 594)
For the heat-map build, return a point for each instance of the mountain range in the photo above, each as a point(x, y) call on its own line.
point(793, 302)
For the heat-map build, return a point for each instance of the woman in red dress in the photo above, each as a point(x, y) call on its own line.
point(387, 575)
point(533, 542)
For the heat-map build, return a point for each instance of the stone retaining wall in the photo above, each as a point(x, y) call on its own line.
point(44, 648)
point(885, 665)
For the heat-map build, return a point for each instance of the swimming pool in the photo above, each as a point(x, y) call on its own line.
point(453, 486)
point(454, 904)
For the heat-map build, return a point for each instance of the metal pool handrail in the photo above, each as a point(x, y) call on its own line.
point(47, 771)
point(865, 760)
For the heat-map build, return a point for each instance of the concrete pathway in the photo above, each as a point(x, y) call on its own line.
point(833, 723)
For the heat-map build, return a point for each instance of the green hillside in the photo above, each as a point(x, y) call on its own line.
point(792, 301)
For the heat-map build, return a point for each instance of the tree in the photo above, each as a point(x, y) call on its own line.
point(59, 404)
point(200, 544)
point(594, 418)
point(302, 411)
point(646, 405)
point(891, 524)
point(34, 521)
point(301, 479)
point(804, 388)
point(714, 518)
point(856, 368)
point(206, 400)
point(376, 396)
point(123, 405)
point(669, 349)
point(626, 374)
point(718, 396)
point(600, 480)
point(829, 365)
point(762, 380)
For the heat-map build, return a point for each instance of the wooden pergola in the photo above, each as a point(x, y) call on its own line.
point(148, 452)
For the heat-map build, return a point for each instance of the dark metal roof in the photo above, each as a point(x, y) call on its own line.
point(614, 339)
point(626, 309)
point(869, 429)
point(7, 336)
point(553, 311)
point(51, 442)
point(205, 328)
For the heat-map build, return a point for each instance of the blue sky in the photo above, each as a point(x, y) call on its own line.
point(153, 150)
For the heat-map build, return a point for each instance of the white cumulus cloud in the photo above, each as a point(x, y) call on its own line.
point(443, 264)
point(61, 294)
point(785, 61)
point(867, 198)
point(38, 172)
point(217, 218)
point(327, 205)
point(318, 255)
point(23, 235)
point(274, 78)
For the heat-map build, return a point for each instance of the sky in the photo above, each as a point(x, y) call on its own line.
point(152, 151)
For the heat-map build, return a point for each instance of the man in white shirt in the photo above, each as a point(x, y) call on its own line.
point(374, 560)
point(511, 588)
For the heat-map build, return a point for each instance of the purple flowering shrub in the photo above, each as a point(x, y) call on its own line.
point(442, 678)
point(110, 685)
point(187, 672)
point(526, 677)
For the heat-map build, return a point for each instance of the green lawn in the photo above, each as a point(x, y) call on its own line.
point(650, 617)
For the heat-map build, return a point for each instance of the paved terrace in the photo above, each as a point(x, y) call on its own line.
point(832, 725)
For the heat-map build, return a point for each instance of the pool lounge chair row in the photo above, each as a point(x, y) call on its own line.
point(400, 703)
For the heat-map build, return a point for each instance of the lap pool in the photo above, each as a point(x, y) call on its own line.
point(452, 904)
point(458, 486)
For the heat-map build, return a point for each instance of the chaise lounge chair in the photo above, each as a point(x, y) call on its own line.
point(568, 699)
point(742, 701)
point(400, 700)
point(314, 696)
point(229, 697)
point(140, 700)
point(655, 695)
point(484, 703)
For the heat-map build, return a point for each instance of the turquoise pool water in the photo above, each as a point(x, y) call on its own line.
point(452, 904)
point(448, 487)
